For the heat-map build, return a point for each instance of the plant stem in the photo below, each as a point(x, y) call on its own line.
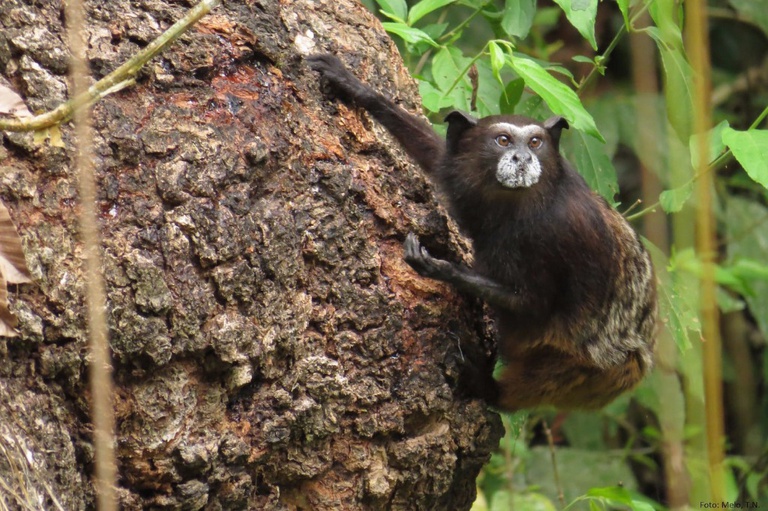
point(716, 164)
point(460, 26)
point(121, 77)
point(611, 46)
point(100, 365)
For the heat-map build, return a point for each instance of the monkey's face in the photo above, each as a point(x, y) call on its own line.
point(519, 149)
point(509, 152)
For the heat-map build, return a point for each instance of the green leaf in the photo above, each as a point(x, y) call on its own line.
point(715, 143)
point(489, 89)
point(639, 505)
point(518, 17)
point(434, 30)
point(754, 480)
point(409, 34)
point(624, 8)
point(589, 157)
point(583, 59)
point(749, 269)
point(617, 496)
point(431, 98)
point(497, 59)
point(447, 67)
point(424, 7)
point(731, 485)
point(612, 493)
point(549, 66)
point(729, 277)
point(594, 506)
point(511, 95)
point(398, 8)
point(581, 14)
point(678, 75)
point(676, 310)
point(673, 200)
point(751, 150)
point(728, 302)
point(533, 106)
point(561, 99)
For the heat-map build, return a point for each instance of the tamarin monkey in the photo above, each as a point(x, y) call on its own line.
point(569, 281)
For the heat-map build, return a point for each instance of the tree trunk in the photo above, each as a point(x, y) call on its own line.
point(271, 349)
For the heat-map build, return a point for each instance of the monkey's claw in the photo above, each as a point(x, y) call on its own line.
point(420, 260)
point(325, 64)
point(334, 73)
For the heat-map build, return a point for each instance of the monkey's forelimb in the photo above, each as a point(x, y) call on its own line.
point(414, 134)
point(462, 278)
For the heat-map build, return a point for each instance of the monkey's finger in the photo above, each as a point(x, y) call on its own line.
point(411, 241)
point(323, 61)
point(413, 251)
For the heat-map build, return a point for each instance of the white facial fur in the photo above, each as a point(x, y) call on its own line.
point(526, 171)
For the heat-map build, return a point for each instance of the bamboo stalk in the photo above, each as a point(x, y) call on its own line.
point(100, 367)
point(706, 244)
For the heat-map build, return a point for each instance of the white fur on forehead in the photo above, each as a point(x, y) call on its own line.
point(519, 131)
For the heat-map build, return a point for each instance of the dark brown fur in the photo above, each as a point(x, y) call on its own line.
point(570, 283)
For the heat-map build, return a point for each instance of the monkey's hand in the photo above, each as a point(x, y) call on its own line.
point(344, 84)
point(424, 264)
point(414, 134)
point(461, 277)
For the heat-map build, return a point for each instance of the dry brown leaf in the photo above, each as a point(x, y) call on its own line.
point(7, 319)
point(13, 269)
point(12, 263)
point(12, 104)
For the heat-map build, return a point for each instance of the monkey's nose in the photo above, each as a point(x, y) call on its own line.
point(521, 158)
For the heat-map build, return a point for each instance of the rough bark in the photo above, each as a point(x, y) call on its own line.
point(271, 349)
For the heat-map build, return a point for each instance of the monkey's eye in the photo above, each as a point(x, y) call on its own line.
point(535, 142)
point(503, 140)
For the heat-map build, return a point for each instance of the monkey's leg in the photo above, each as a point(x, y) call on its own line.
point(414, 134)
point(461, 277)
point(546, 377)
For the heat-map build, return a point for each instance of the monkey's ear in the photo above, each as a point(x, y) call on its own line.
point(458, 123)
point(554, 125)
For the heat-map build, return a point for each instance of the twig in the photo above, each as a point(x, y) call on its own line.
point(100, 367)
point(611, 46)
point(121, 77)
point(634, 205)
point(718, 162)
point(551, 442)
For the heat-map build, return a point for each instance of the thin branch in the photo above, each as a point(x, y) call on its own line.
point(121, 77)
point(611, 46)
point(716, 164)
point(100, 367)
point(551, 443)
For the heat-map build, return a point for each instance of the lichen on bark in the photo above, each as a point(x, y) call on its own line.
point(271, 348)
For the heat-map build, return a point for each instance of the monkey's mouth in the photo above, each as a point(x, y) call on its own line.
point(514, 172)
